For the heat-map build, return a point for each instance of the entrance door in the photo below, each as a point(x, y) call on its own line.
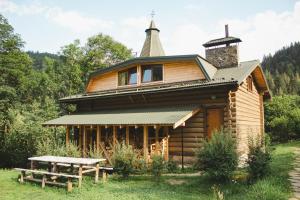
point(214, 120)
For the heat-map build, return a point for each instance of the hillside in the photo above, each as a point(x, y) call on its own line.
point(282, 70)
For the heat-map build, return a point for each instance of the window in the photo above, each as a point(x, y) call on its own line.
point(152, 73)
point(249, 84)
point(127, 77)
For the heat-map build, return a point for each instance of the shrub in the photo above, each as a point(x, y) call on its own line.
point(123, 159)
point(171, 166)
point(157, 166)
point(218, 156)
point(258, 159)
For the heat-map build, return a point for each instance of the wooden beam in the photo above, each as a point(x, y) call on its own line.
point(166, 147)
point(127, 135)
point(145, 144)
point(114, 136)
point(182, 120)
point(67, 135)
point(98, 138)
point(156, 139)
point(84, 141)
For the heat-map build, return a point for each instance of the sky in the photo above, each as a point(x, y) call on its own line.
point(263, 25)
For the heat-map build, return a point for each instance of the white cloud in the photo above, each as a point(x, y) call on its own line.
point(73, 20)
point(262, 33)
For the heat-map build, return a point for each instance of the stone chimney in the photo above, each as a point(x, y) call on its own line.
point(223, 52)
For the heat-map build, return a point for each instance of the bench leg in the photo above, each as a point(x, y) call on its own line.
point(69, 185)
point(43, 181)
point(97, 173)
point(80, 174)
point(104, 176)
point(21, 180)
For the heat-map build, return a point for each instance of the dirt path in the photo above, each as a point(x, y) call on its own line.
point(295, 176)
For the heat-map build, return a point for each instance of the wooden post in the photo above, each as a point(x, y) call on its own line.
point(127, 135)
point(80, 138)
point(156, 140)
point(166, 151)
point(80, 174)
point(97, 173)
point(44, 181)
point(22, 176)
point(84, 141)
point(114, 136)
point(67, 135)
point(98, 138)
point(69, 184)
point(104, 176)
point(145, 145)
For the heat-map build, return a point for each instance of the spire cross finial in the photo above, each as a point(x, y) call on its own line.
point(152, 14)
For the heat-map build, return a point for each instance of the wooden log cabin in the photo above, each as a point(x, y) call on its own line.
point(169, 104)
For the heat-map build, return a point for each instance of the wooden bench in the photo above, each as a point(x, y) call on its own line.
point(46, 175)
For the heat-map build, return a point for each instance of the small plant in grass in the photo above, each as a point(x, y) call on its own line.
point(123, 159)
point(157, 166)
point(258, 159)
point(218, 194)
point(171, 166)
point(218, 156)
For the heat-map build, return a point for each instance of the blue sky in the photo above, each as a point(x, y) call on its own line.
point(264, 26)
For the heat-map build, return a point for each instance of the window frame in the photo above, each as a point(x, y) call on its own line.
point(151, 67)
point(127, 76)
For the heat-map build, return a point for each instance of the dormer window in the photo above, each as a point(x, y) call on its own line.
point(127, 77)
point(151, 73)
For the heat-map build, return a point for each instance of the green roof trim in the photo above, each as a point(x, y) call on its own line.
point(141, 116)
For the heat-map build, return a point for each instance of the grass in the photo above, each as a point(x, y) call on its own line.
point(274, 186)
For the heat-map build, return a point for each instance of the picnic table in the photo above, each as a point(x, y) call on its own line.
point(84, 165)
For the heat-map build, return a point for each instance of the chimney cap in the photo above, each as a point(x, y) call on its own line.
point(220, 41)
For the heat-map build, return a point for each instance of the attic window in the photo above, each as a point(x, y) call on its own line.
point(127, 77)
point(151, 73)
point(249, 84)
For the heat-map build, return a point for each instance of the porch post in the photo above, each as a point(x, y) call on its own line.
point(145, 146)
point(127, 135)
point(156, 139)
point(166, 151)
point(98, 138)
point(80, 138)
point(114, 136)
point(84, 141)
point(67, 135)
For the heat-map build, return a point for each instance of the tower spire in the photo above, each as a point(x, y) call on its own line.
point(152, 45)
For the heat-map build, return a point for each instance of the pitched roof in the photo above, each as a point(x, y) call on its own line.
point(139, 116)
point(218, 77)
point(221, 41)
point(152, 45)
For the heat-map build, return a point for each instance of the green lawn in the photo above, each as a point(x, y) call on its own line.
point(275, 186)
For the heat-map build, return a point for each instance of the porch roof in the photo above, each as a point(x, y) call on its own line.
point(171, 116)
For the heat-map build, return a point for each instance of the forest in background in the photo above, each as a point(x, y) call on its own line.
point(31, 84)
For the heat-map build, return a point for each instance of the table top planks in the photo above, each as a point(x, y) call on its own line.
point(67, 160)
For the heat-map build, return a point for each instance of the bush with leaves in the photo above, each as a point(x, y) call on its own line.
point(218, 156)
point(123, 159)
point(258, 159)
point(157, 166)
point(171, 166)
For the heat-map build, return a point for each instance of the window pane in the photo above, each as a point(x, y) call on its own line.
point(132, 76)
point(123, 78)
point(146, 74)
point(157, 73)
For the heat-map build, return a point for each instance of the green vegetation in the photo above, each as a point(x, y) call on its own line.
point(282, 70)
point(157, 166)
point(282, 117)
point(273, 186)
point(31, 84)
point(218, 156)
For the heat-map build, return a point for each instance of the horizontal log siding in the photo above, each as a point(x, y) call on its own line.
point(249, 116)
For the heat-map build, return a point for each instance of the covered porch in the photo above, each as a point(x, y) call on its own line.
point(145, 129)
